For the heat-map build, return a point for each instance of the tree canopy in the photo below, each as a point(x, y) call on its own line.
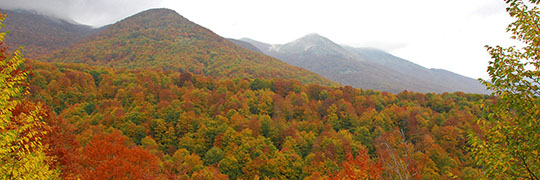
point(508, 143)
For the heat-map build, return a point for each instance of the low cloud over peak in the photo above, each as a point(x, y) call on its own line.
point(91, 12)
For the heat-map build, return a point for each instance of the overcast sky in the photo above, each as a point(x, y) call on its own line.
point(445, 34)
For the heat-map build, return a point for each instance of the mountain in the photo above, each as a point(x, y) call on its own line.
point(41, 34)
point(163, 39)
point(366, 67)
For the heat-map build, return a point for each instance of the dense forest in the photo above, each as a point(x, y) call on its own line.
point(190, 126)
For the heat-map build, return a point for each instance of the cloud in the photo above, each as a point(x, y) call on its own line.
point(385, 46)
point(92, 12)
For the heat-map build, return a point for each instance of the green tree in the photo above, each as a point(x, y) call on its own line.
point(259, 84)
point(213, 156)
point(21, 152)
point(508, 147)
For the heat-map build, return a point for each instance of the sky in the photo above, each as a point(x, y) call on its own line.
point(439, 34)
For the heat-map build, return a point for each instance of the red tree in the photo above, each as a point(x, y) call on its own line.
point(108, 157)
point(60, 139)
point(360, 167)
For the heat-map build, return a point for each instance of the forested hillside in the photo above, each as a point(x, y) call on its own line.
point(190, 126)
point(41, 34)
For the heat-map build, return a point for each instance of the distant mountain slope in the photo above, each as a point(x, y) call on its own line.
point(365, 67)
point(438, 77)
point(264, 47)
point(41, 34)
point(162, 39)
point(245, 45)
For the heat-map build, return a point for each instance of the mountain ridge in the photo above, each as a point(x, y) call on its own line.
point(163, 39)
point(181, 45)
point(373, 68)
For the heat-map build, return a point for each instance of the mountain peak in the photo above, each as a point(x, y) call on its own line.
point(314, 37)
point(156, 23)
point(314, 40)
point(161, 11)
point(157, 15)
point(314, 43)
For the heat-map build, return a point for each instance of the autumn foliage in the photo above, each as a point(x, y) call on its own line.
point(191, 126)
point(359, 167)
point(108, 156)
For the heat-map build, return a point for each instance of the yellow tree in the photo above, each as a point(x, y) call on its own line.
point(21, 152)
point(509, 146)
